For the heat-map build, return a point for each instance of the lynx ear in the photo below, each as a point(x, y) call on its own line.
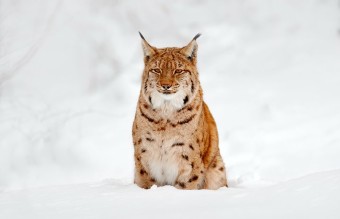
point(148, 50)
point(190, 50)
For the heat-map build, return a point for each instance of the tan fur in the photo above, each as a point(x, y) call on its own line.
point(174, 134)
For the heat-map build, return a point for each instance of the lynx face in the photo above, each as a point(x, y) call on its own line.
point(170, 76)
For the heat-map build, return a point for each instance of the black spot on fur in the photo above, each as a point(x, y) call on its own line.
point(192, 165)
point(193, 178)
point(150, 100)
point(150, 139)
point(181, 184)
point(191, 147)
point(142, 172)
point(187, 120)
point(143, 150)
point(148, 118)
point(178, 144)
point(198, 106)
point(186, 99)
point(139, 141)
point(146, 86)
point(161, 128)
point(185, 157)
point(192, 87)
point(181, 109)
point(221, 169)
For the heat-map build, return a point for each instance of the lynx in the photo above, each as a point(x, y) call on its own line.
point(174, 134)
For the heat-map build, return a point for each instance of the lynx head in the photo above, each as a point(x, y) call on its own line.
point(170, 77)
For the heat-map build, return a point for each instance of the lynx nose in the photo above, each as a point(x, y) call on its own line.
point(166, 86)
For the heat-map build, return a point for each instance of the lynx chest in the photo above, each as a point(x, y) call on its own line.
point(164, 155)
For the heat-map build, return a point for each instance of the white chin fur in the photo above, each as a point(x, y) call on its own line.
point(167, 101)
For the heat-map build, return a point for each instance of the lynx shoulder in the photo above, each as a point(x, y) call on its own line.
point(174, 134)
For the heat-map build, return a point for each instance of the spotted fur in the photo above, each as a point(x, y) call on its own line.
point(175, 136)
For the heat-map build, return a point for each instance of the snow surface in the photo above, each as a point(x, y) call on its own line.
point(299, 198)
point(69, 81)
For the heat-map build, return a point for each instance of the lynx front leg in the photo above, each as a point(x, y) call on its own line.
point(216, 175)
point(191, 176)
point(142, 177)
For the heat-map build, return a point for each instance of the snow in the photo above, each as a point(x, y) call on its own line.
point(69, 81)
point(298, 198)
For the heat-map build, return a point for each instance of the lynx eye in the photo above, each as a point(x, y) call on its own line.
point(178, 71)
point(156, 70)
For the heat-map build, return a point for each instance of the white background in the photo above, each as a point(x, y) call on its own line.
point(70, 78)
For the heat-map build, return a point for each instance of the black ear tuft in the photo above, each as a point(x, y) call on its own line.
point(148, 50)
point(141, 35)
point(190, 50)
point(195, 38)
